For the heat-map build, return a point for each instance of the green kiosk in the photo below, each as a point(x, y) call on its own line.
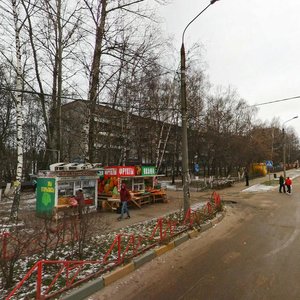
point(56, 190)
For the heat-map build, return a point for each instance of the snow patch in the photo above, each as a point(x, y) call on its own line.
point(259, 188)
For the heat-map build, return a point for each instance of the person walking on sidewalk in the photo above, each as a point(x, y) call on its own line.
point(80, 200)
point(288, 183)
point(247, 177)
point(124, 197)
point(281, 184)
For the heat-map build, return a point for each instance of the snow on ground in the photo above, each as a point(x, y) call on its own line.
point(259, 188)
point(264, 188)
point(27, 202)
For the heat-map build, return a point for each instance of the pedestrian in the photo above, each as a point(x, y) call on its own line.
point(80, 200)
point(288, 183)
point(124, 197)
point(281, 184)
point(247, 177)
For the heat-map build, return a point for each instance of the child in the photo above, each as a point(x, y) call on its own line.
point(288, 184)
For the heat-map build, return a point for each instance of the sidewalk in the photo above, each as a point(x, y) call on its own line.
point(175, 200)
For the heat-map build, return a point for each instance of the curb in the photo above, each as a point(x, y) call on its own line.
point(220, 216)
point(163, 249)
point(205, 226)
point(86, 290)
point(99, 283)
point(214, 221)
point(141, 260)
point(181, 239)
point(193, 233)
point(118, 273)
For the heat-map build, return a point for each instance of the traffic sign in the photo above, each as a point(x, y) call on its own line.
point(269, 163)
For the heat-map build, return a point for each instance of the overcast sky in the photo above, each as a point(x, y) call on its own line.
point(253, 46)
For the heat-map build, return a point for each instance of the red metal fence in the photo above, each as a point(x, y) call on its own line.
point(68, 274)
point(10, 242)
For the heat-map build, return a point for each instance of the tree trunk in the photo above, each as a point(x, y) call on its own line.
point(17, 183)
point(94, 82)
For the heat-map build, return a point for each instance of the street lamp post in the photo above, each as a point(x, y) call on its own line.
point(185, 160)
point(283, 139)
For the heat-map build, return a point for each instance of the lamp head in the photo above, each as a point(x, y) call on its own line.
point(213, 1)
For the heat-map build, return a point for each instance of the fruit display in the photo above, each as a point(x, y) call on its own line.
point(108, 185)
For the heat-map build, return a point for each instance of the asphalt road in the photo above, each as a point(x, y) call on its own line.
point(254, 253)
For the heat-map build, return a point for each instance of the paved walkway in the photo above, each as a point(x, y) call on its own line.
point(175, 200)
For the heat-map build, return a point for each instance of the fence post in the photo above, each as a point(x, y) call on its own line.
point(209, 208)
point(160, 229)
point(119, 247)
point(187, 216)
point(4, 244)
point(39, 280)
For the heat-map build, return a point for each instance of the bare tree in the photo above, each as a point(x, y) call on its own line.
point(53, 31)
point(105, 15)
point(18, 99)
point(7, 128)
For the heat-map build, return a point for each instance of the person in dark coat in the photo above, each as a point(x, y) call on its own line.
point(124, 197)
point(281, 184)
point(247, 177)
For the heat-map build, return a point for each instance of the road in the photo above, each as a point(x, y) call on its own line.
point(254, 253)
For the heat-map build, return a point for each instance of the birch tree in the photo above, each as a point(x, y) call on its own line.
point(18, 99)
point(53, 29)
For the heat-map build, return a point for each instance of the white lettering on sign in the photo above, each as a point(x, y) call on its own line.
point(111, 172)
point(149, 171)
point(126, 171)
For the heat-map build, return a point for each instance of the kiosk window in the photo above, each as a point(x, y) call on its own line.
point(65, 188)
point(138, 184)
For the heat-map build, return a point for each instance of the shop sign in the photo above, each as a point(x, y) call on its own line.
point(148, 170)
point(126, 171)
point(100, 173)
point(110, 171)
point(45, 195)
point(76, 173)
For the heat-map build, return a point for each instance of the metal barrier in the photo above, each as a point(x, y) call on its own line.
point(72, 273)
point(9, 242)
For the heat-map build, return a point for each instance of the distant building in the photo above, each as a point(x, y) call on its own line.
point(119, 137)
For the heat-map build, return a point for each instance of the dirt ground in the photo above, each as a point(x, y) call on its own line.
point(175, 202)
point(148, 211)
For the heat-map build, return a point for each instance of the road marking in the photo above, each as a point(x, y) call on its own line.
point(286, 244)
point(206, 277)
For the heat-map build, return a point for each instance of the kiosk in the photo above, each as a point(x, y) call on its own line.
point(56, 190)
point(140, 180)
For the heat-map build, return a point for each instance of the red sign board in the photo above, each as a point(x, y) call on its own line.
point(126, 171)
point(110, 171)
point(119, 171)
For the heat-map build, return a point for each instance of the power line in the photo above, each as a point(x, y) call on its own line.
point(276, 101)
point(70, 97)
point(107, 104)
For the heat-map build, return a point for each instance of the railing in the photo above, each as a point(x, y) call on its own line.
point(69, 269)
point(68, 274)
point(9, 242)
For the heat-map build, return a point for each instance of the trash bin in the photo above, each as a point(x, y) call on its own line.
point(275, 175)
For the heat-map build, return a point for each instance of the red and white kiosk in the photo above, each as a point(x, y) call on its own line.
point(140, 180)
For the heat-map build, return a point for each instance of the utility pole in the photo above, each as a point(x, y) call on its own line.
point(185, 159)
